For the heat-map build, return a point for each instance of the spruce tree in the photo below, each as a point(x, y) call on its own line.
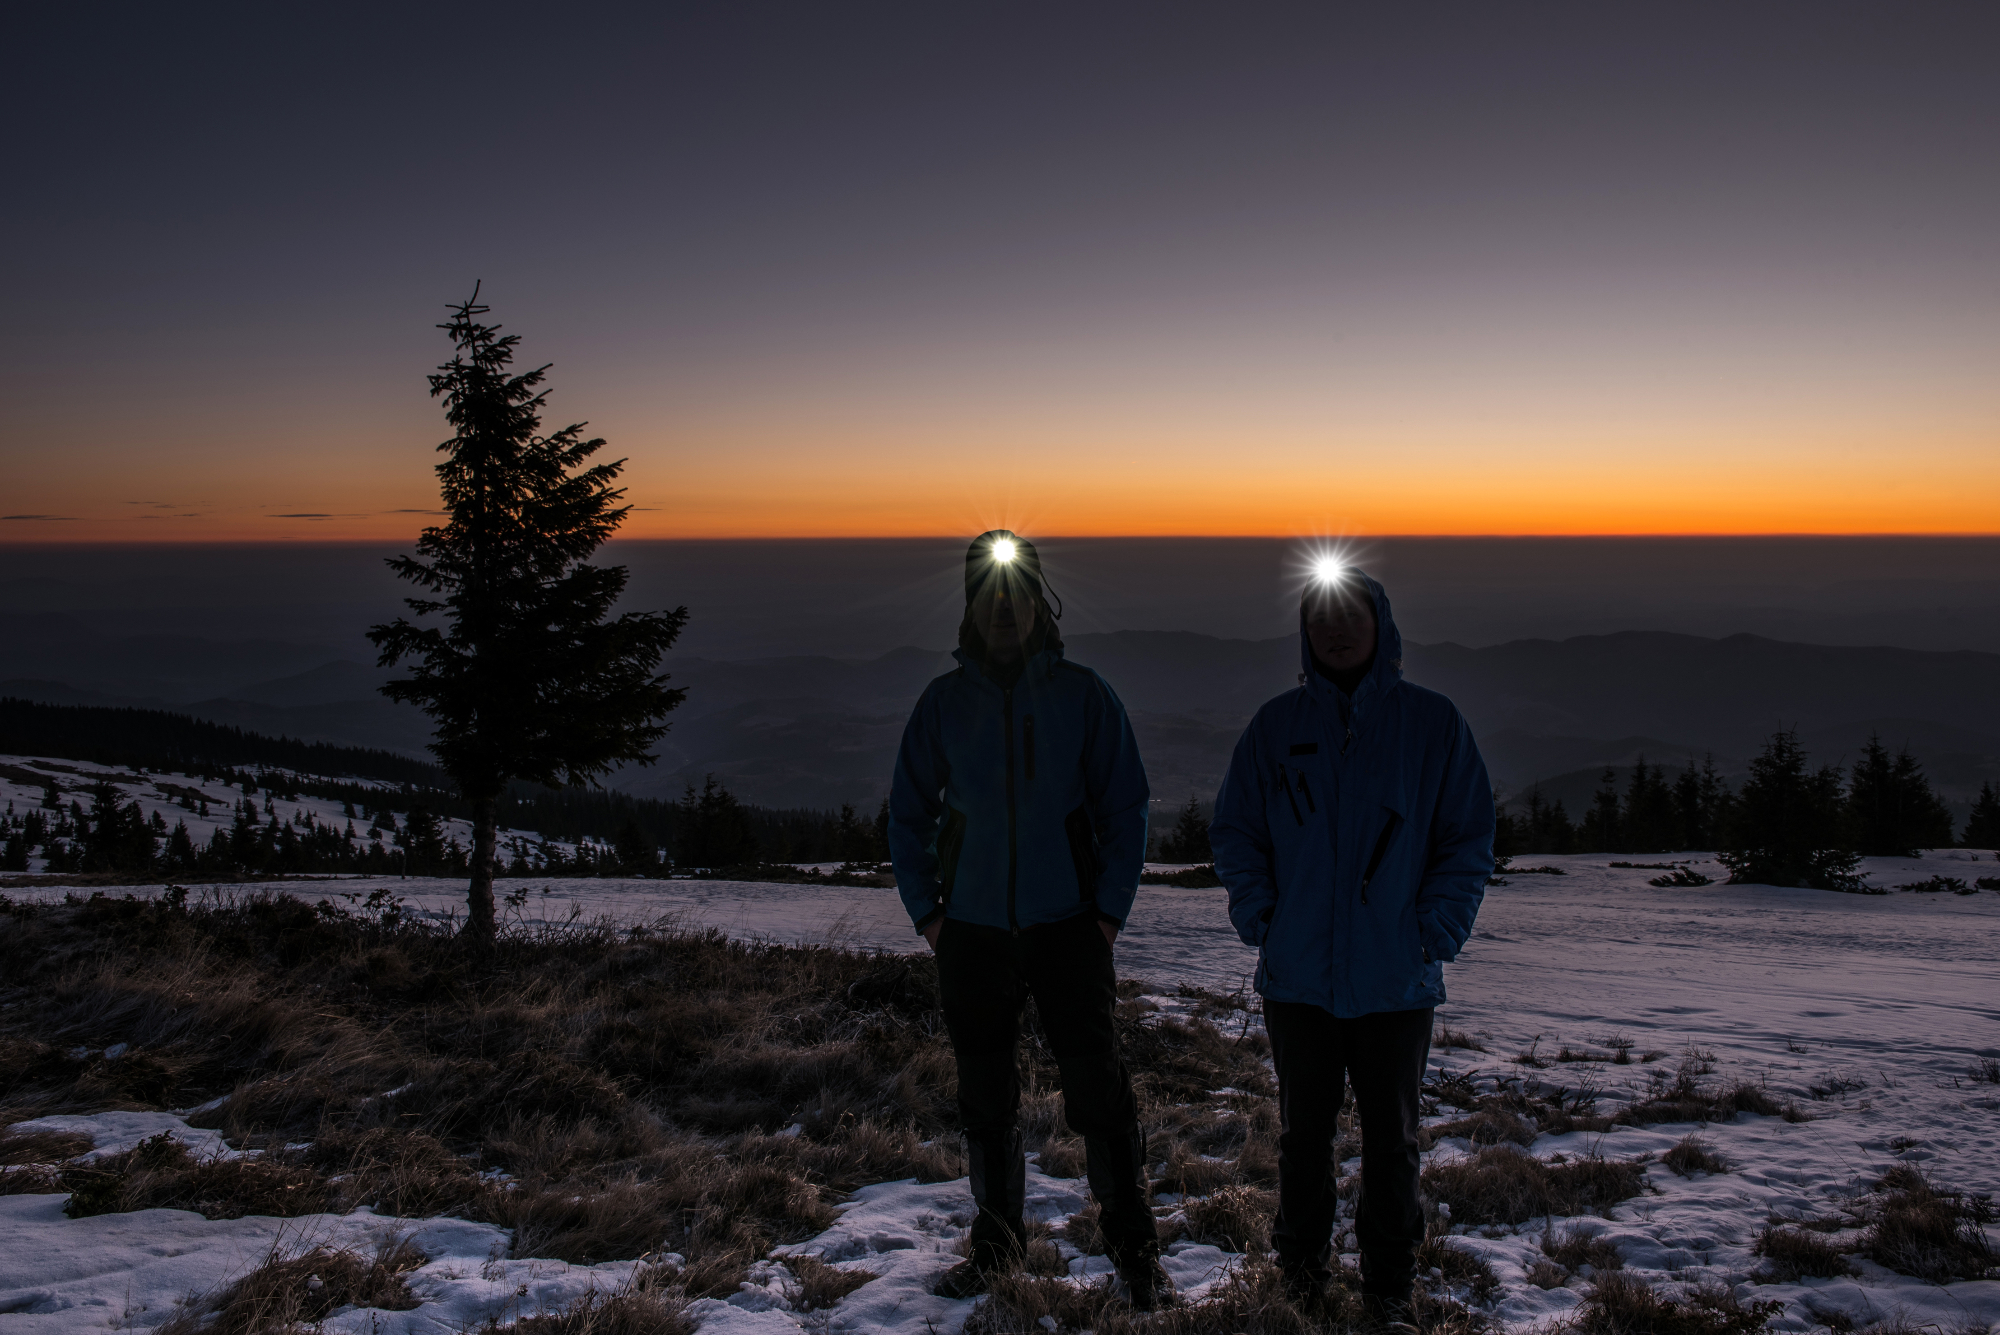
point(1982, 827)
point(1892, 811)
point(1787, 827)
point(1544, 826)
point(1599, 832)
point(714, 829)
point(1701, 805)
point(1189, 840)
point(530, 677)
point(1646, 822)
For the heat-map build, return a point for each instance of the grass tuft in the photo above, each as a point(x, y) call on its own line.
point(291, 1292)
point(1621, 1304)
point(1502, 1185)
point(1691, 1154)
point(1576, 1246)
point(1794, 1253)
point(1920, 1229)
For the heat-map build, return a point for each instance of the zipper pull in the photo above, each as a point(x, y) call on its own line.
point(1305, 788)
point(1349, 741)
point(1285, 784)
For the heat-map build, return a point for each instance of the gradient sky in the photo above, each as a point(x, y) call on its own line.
point(867, 269)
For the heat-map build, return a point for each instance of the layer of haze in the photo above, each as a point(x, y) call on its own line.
point(855, 599)
point(1122, 269)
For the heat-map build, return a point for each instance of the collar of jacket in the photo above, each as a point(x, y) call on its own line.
point(1382, 677)
point(1043, 662)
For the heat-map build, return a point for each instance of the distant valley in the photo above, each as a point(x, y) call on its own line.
point(816, 731)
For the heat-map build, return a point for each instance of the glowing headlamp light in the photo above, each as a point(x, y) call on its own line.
point(1003, 550)
point(1328, 570)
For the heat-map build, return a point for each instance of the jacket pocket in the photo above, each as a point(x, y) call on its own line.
point(1083, 853)
point(950, 843)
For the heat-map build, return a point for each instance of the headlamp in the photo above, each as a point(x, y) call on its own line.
point(1328, 570)
point(1003, 550)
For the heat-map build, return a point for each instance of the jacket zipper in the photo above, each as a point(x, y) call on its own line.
point(1311, 805)
point(1013, 849)
point(1028, 745)
point(1375, 858)
point(1285, 784)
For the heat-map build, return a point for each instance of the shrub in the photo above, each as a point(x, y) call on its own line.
point(1447, 1037)
point(1682, 877)
point(1939, 885)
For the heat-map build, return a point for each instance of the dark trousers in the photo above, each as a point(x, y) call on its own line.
point(985, 976)
point(1384, 1056)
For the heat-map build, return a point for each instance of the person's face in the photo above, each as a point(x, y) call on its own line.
point(1004, 613)
point(1341, 629)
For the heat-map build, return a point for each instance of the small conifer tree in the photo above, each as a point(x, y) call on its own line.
point(1599, 831)
point(530, 677)
point(1188, 841)
point(1982, 827)
point(1787, 824)
point(1892, 811)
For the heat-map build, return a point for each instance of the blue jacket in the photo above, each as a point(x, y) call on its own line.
point(1355, 836)
point(1018, 806)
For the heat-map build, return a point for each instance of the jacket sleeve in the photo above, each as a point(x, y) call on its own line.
point(1114, 784)
point(1461, 849)
point(1241, 840)
point(916, 806)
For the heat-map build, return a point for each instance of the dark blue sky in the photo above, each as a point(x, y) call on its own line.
point(1632, 267)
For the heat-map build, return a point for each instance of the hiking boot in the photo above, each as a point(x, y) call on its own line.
point(967, 1279)
point(1147, 1286)
point(1390, 1314)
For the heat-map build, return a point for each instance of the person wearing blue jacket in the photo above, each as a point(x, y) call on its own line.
point(1354, 831)
point(1017, 825)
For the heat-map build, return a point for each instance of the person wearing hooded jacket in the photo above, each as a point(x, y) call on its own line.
point(1017, 826)
point(1354, 831)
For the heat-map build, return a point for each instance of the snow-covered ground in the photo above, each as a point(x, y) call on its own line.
point(205, 805)
point(1887, 1000)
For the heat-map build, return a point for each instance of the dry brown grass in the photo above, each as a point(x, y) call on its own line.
point(1791, 1254)
point(1573, 1247)
point(161, 1173)
point(633, 1085)
point(643, 1308)
point(1619, 1304)
point(821, 1285)
point(1251, 1301)
point(291, 1292)
point(1236, 1219)
point(1691, 1154)
point(41, 1147)
point(1925, 1230)
point(1488, 1126)
point(1502, 1185)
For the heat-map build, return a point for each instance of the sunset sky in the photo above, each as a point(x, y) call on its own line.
point(871, 269)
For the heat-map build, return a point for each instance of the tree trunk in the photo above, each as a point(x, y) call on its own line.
point(479, 895)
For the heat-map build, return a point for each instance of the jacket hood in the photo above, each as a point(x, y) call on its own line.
point(1387, 668)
